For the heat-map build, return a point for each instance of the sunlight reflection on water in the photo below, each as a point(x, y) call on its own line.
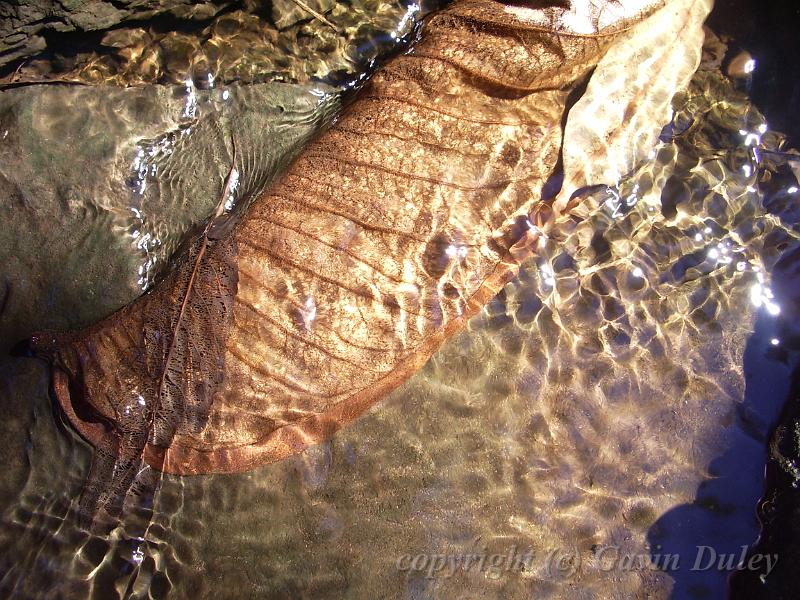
point(617, 393)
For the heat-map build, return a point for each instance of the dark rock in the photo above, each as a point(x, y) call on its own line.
point(24, 24)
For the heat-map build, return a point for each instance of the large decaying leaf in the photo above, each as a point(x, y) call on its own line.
point(385, 235)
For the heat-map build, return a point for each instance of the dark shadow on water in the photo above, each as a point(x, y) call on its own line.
point(711, 535)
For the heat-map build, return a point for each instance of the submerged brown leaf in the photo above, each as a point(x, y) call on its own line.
point(382, 239)
point(628, 100)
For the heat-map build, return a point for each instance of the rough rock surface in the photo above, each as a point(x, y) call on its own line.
point(24, 23)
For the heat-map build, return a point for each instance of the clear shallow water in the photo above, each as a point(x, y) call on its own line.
point(618, 393)
point(108, 188)
point(102, 189)
point(278, 43)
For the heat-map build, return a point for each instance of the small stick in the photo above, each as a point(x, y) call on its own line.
point(17, 70)
point(316, 15)
point(49, 81)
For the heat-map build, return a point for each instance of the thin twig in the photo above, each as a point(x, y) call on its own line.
point(316, 15)
point(54, 81)
point(17, 70)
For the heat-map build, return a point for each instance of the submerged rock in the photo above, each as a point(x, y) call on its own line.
point(25, 23)
point(246, 45)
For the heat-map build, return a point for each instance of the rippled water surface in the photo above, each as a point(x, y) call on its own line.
point(619, 393)
point(283, 42)
point(113, 184)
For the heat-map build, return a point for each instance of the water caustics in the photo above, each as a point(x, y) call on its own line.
point(625, 333)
